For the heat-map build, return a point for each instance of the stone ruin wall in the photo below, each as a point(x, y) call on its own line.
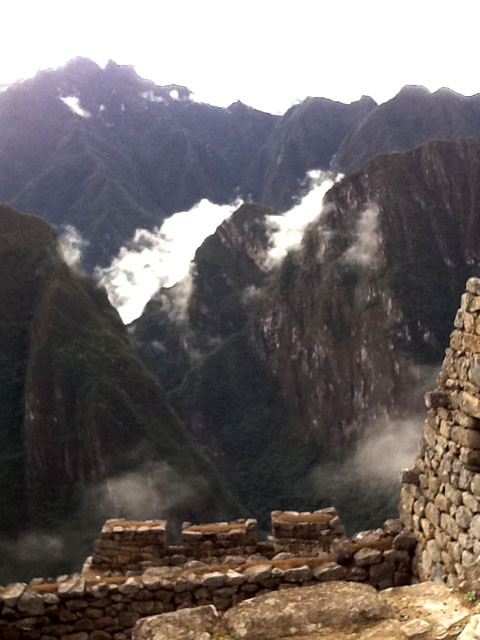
point(440, 495)
point(103, 605)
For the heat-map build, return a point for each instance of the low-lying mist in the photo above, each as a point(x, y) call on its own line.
point(365, 486)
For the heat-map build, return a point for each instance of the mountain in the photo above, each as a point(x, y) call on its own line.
point(413, 116)
point(86, 431)
point(109, 152)
point(183, 323)
point(340, 342)
point(305, 138)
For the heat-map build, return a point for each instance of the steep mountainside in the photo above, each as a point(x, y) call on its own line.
point(339, 344)
point(305, 138)
point(86, 431)
point(183, 323)
point(413, 116)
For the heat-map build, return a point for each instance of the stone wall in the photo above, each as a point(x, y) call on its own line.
point(134, 546)
point(306, 532)
point(440, 496)
point(129, 545)
point(126, 546)
point(89, 607)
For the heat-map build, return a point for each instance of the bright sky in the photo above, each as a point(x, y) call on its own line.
point(266, 53)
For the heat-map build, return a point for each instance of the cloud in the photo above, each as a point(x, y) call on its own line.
point(71, 245)
point(364, 250)
point(30, 546)
point(153, 490)
point(287, 230)
point(159, 258)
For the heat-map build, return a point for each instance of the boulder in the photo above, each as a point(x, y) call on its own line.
point(304, 610)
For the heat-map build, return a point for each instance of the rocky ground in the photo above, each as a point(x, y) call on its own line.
point(333, 611)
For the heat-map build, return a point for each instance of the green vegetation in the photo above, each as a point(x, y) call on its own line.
point(78, 407)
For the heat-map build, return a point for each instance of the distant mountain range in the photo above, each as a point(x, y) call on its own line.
point(109, 152)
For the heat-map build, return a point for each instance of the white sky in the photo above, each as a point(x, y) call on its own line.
point(266, 53)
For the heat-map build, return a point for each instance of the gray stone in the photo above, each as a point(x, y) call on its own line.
point(436, 399)
point(187, 624)
point(258, 573)
point(367, 556)
point(469, 404)
point(473, 286)
point(298, 574)
point(471, 502)
point(475, 486)
point(234, 578)
point(463, 517)
point(475, 527)
point(405, 541)
point(213, 579)
point(72, 587)
point(304, 611)
point(329, 571)
point(130, 586)
point(12, 593)
point(31, 603)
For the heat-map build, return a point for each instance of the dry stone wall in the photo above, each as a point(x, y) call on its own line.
point(315, 532)
point(126, 546)
point(440, 495)
point(92, 606)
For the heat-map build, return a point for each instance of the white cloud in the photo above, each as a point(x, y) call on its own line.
point(73, 103)
point(155, 488)
point(71, 245)
point(364, 251)
point(287, 230)
point(159, 258)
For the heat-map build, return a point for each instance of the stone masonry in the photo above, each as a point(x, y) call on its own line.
point(440, 495)
point(295, 532)
point(105, 605)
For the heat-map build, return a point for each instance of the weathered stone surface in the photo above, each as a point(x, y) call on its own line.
point(72, 587)
point(405, 541)
point(472, 630)
point(330, 571)
point(258, 573)
point(469, 404)
point(31, 603)
point(445, 610)
point(12, 593)
point(475, 527)
point(303, 611)
point(186, 624)
point(367, 556)
point(471, 343)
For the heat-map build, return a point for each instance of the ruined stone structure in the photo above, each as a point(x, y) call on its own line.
point(104, 604)
point(440, 496)
point(306, 533)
